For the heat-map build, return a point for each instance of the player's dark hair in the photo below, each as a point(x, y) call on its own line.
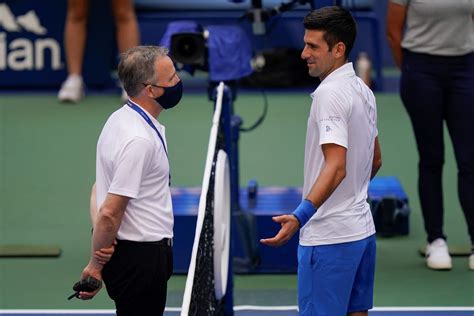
point(337, 24)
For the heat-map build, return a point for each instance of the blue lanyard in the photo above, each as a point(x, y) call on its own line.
point(147, 119)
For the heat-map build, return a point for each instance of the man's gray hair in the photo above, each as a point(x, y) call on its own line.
point(137, 67)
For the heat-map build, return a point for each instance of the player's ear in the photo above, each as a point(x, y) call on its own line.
point(339, 50)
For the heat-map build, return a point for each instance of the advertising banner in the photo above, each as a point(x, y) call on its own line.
point(31, 44)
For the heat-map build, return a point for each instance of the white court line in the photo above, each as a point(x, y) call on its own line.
point(236, 308)
point(265, 308)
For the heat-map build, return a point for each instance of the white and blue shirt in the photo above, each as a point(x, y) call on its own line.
point(343, 112)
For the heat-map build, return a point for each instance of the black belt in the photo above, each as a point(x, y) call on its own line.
point(164, 242)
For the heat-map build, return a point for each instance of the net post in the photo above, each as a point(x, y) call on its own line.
point(230, 127)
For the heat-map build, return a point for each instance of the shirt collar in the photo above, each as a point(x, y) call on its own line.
point(346, 70)
point(154, 120)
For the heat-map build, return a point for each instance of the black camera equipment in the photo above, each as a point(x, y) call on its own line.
point(89, 284)
point(190, 49)
point(258, 15)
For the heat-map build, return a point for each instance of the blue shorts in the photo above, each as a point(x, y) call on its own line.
point(337, 279)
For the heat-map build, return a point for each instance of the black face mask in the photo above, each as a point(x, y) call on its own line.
point(171, 96)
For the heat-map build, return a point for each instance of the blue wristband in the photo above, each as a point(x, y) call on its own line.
point(304, 211)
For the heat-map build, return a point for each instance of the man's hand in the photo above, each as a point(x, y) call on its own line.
point(89, 270)
point(103, 255)
point(289, 226)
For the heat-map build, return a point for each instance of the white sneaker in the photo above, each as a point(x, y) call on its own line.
point(72, 90)
point(471, 262)
point(437, 255)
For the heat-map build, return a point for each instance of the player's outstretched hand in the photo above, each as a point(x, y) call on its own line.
point(103, 255)
point(289, 226)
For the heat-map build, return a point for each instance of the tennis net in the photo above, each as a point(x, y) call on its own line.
point(207, 275)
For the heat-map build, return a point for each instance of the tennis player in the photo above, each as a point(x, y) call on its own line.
point(336, 252)
point(133, 187)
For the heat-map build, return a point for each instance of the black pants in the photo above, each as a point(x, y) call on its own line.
point(434, 90)
point(136, 277)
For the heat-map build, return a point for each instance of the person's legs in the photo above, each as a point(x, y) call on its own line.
point(126, 24)
point(323, 287)
point(460, 122)
point(127, 32)
point(362, 294)
point(75, 34)
point(422, 87)
point(136, 278)
point(143, 306)
point(72, 90)
point(325, 277)
point(422, 95)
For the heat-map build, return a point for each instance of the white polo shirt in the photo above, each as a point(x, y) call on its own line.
point(343, 112)
point(132, 162)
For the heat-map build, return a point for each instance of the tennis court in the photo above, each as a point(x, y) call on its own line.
point(47, 168)
point(262, 311)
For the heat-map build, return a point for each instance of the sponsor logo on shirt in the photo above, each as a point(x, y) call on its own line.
point(331, 119)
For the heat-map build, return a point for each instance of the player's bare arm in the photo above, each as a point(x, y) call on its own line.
point(334, 171)
point(106, 227)
point(396, 15)
point(105, 254)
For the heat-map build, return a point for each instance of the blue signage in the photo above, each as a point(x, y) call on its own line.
point(31, 44)
point(31, 50)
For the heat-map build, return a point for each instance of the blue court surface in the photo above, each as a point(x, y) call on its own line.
point(264, 311)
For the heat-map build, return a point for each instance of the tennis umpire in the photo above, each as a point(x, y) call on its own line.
point(133, 187)
point(336, 252)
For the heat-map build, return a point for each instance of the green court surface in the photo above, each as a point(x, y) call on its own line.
point(47, 158)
